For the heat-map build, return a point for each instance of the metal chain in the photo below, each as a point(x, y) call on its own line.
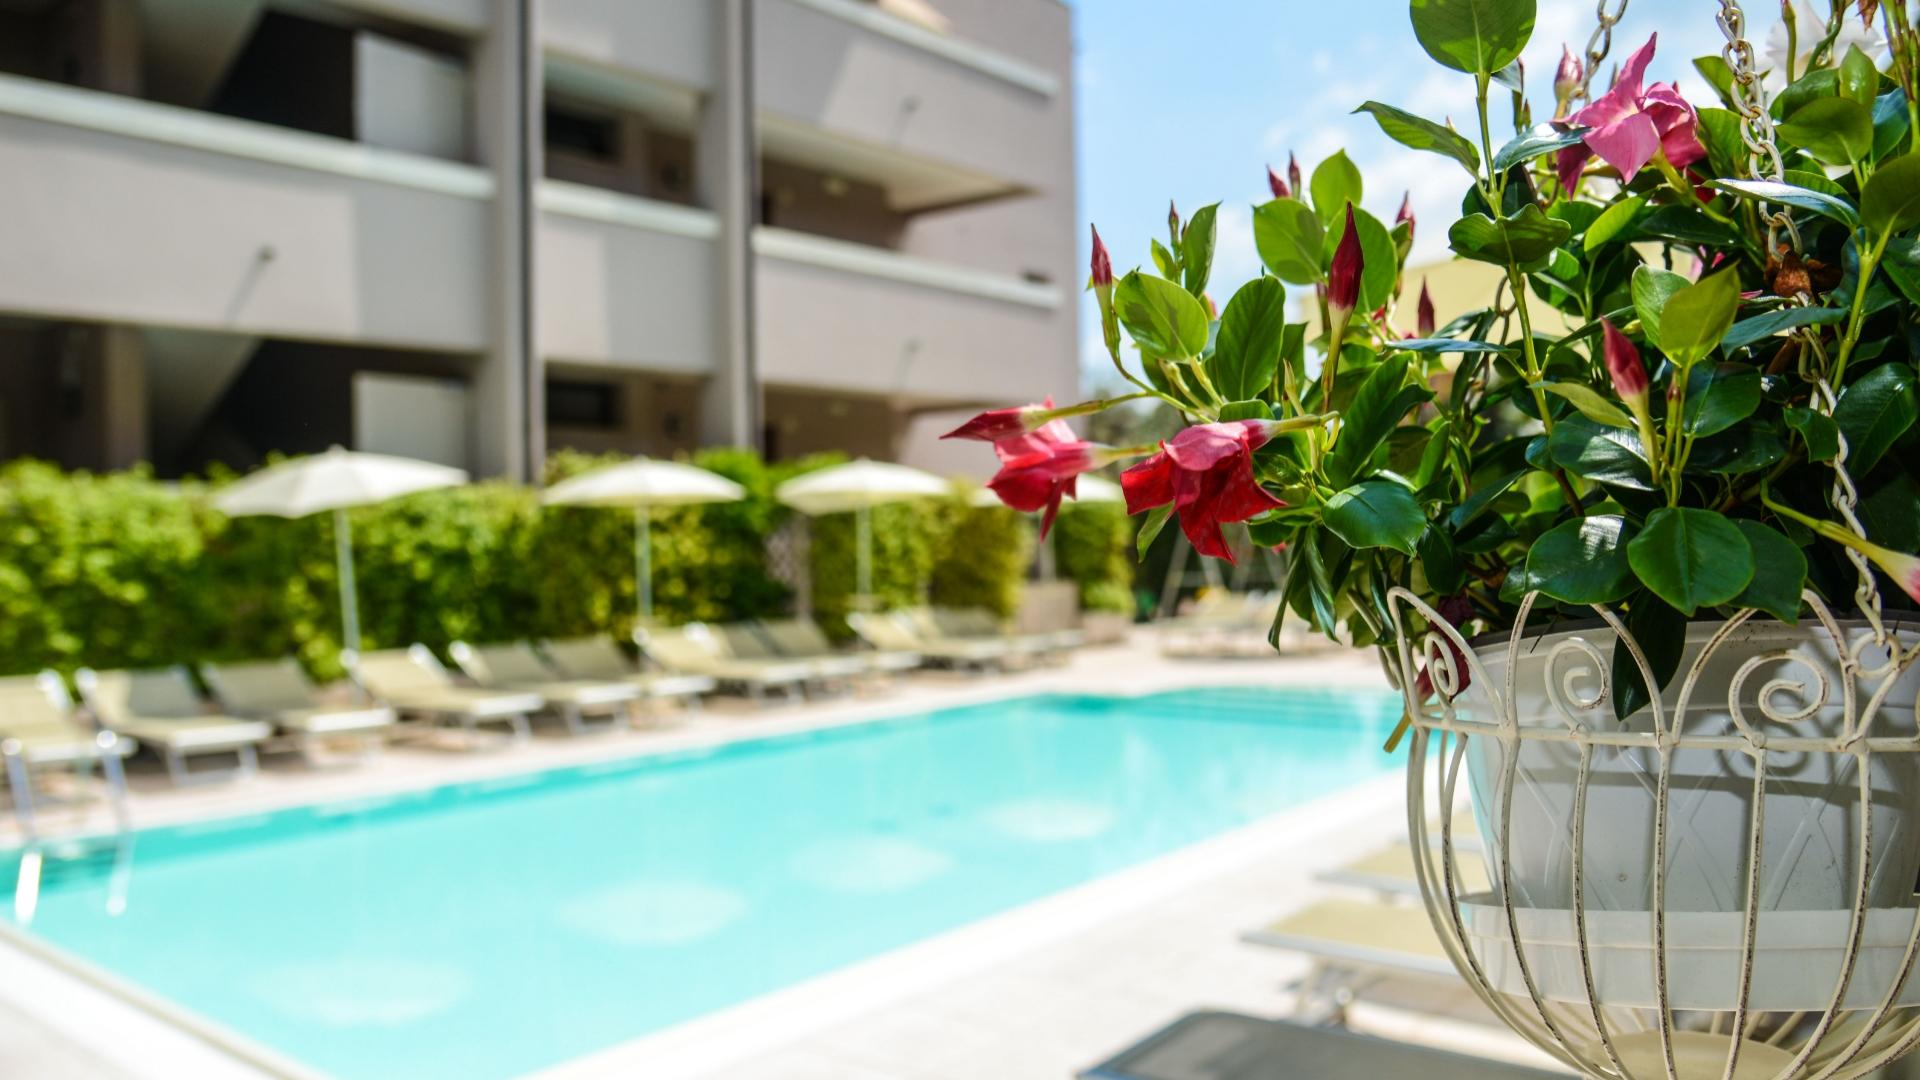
point(1764, 163)
point(1599, 44)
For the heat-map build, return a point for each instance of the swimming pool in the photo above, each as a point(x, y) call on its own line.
point(487, 930)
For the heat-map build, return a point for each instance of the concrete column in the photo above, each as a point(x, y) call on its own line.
point(101, 390)
point(508, 434)
point(103, 44)
point(726, 174)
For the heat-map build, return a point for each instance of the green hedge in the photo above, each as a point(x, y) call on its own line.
point(1093, 545)
point(121, 570)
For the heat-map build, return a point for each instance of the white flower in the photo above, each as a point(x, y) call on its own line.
point(1810, 27)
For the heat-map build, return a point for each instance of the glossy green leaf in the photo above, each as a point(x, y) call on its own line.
point(1474, 36)
point(1613, 222)
point(1817, 430)
point(1440, 562)
point(1698, 316)
point(1420, 133)
point(1450, 345)
point(1252, 330)
point(1150, 527)
point(1591, 405)
point(1859, 78)
point(1891, 201)
point(1834, 130)
point(1652, 288)
point(1779, 573)
point(1691, 558)
point(1749, 331)
point(1583, 561)
point(1291, 241)
point(1163, 261)
point(1602, 454)
point(1661, 633)
point(1163, 318)
point(1335, 183)
point(1521, 239)
point(1376, 514)
point(1196, 248)
point(1874, 411)
point(1720, 397)
point(1545, 139)
point(1789, 195)
point(1372, 414)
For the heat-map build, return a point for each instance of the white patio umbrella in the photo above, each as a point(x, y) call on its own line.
point(644, 484)
point(859, 486)
point(336, 480)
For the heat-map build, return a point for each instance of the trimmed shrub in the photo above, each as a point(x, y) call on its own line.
point(1093, 545)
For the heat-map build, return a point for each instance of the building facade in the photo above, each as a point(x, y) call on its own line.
point(477, 231)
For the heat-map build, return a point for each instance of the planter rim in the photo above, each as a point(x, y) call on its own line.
point(1898, 622)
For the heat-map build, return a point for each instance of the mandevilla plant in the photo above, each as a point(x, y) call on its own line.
point(1740, 347)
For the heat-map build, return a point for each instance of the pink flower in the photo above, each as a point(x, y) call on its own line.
point(1423, 314)
point(1276, 185)
point(1624, 366)
point(1566, 80)
point(1343, 279)
point(1904, 569)
point(1206, 472)
point(996, 425)
point(1628, 126)
point(1102, 263)
point(1038, 469)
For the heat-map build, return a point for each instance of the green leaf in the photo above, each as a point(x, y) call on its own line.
point(1291, 240)
point(1614, 222)
point(1541, 140)
point(1748, 331)
point(1859, 79)
point(1451, 345)
point(1162, 317)
point(1698, 316)
point(1440, 562)
point(1789, 195)
point(1420, 133)
point(1376, 513)
point(1380, 258)
point(1474, 36)
point(1371, 416)
point(1834, 130)
point(1252, 327)
point(1817, 430)
point(1652, 288)
point(1602, 454)
point(1483, 497)
point(1720, 397)
point(1873, 412)
point(1163, 261)
point(1526, 237)
point(1779, 573)
point(1591, 405)
point(1691, 558)
point(1196, 248)
point(1583, 561)
point(1250, 409)
point(1891, 201)
point(1335, 183)
point(1662, 635)
point(1150, 527)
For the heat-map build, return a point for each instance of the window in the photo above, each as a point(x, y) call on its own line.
point(575, 404)
point(595, 137)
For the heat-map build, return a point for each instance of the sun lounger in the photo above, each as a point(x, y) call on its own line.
point(161, 709)
point(277, 691)
point(600, 658)
point(574, 700)
point(801, 639)
point(1390, 872)
point(1353, 942)
point(979, 624)
point(415, 683)
point(889, 632)
point(936, 629)
point(743, 641)
point(39, 730)
point(1230, 1046)
point(694, 650)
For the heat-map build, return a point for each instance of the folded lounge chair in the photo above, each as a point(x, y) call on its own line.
point(161, 709)
point(801, 639)
point(415, 683)
point(600, 658)
point(278, 692)
point(518, 667)
point(39, 730)
point(891, 632)
point(694, 650)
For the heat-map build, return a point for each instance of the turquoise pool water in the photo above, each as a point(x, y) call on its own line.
point(483, 931)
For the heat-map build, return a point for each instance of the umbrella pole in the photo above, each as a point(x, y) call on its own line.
point(643, 562)
point(343, 557)
point(863, 540)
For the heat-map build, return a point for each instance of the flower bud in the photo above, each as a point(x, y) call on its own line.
point(1405, 217)
point(1624, 366)
point(1102, 264)
point(1424, 318)
point(1566, 81)
point(1343, 279)
point(1293, 176)
point(1277, 185)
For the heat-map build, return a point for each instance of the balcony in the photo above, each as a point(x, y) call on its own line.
point(130, 211)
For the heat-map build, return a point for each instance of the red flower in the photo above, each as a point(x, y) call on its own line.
point(1293, 175)
point(1423, 315)
point(1343, 278)
point(1206, 472)
point(1456, 610)
point(1038, 469)
point(1276, 185)
point(1628, 126)
point(1406, 215)
point(1624, 366)
point(995, 425)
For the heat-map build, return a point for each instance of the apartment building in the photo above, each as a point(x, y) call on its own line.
point(480, 230)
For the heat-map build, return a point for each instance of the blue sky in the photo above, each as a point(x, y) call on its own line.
point(1190, 101)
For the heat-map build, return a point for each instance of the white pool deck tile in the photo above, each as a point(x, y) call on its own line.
point(1038, 992)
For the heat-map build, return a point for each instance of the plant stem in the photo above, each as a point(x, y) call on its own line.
point(1857, 314)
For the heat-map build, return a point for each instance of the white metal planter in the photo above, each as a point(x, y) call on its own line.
point(1722, 885)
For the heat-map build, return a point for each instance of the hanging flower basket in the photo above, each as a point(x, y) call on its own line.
point(1596, 525)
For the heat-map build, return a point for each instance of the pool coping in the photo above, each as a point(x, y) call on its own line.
point(225, 1052)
